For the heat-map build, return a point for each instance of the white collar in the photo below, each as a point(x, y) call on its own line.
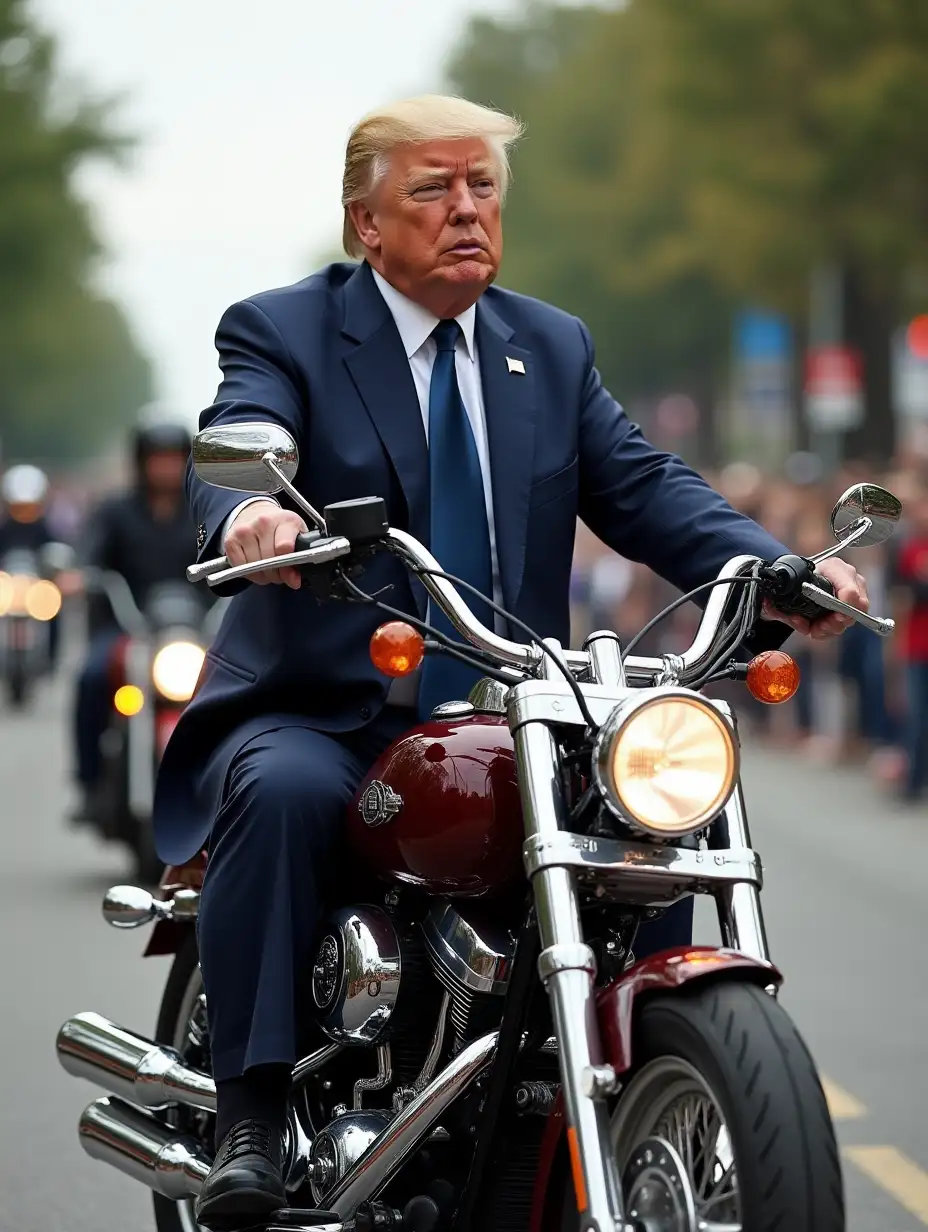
point(415, 323)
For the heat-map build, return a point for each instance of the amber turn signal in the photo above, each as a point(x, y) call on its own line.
point(773, 677)
point(397, 648)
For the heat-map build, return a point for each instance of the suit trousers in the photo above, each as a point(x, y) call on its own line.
point(276, 861)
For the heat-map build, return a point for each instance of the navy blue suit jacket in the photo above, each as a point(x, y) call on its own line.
point(323, 358)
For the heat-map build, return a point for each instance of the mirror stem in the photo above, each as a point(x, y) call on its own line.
point(271, 463)
point(861, 526)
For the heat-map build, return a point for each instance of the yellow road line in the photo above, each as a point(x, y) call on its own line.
point(841, 1104)
point(895, 1173)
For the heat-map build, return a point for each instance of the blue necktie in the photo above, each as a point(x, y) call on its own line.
point(460, 536)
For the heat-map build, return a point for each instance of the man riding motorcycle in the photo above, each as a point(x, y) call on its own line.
point(24, 494)
point(480, 418)
point(145, 536)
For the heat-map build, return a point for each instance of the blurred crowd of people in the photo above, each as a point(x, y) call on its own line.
point(863, 699)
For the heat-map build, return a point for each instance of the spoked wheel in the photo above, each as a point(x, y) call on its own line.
point(680, 1171)
point(182, 1024)
point(723, 1125)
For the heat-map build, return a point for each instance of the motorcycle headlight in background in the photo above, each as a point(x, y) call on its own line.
point(175, 670)
point(21, 595)
point(666, 762)
point(43, 600)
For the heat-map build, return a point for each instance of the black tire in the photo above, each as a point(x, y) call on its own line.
point(183, 970)
point(759, 1071)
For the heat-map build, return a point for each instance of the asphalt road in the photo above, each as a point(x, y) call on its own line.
point(846, 913)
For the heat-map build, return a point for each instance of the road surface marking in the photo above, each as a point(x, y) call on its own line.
point(841, 1104)
point(895, 1173)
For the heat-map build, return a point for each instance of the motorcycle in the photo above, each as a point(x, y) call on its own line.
point(518, 839)
point(30, 598)
point(154, 665)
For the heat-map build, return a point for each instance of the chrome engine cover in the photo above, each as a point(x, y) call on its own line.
point(339, 1146)
point(472, 962)
point(356, 975)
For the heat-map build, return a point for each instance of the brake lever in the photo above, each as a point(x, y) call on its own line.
point(883, 626)
point(321, 553)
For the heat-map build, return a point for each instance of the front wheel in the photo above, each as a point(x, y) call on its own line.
point(723, 1124)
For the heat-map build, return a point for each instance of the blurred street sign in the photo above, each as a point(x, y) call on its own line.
point(763, 365)
point(834, 389)
point(910, 372)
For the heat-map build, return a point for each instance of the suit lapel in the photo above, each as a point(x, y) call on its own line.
point(509, 402)
point(381, 374)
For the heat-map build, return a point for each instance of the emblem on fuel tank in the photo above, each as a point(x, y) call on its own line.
point(379, 803)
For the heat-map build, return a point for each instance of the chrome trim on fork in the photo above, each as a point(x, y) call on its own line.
point(567, 966)
point(741, 917)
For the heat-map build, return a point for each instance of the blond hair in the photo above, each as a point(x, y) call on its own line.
point(412, 121)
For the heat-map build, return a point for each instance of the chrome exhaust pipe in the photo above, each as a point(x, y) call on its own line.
point(90, 1046)
point(141, 1146)
point(401, 1137)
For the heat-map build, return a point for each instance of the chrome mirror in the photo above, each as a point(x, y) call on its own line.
point(129, 906)
point(865, 515)
point(246, 457)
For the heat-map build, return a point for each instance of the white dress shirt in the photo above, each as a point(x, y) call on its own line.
point(415, 325)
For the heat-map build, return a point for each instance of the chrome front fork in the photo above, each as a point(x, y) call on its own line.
point(567, 967)
point(741, 918)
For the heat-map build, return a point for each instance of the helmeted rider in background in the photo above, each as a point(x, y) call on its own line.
point(144, 534)
point(24, 526)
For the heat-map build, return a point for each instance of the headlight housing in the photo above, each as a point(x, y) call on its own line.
point(666, 762)
point(176, 669)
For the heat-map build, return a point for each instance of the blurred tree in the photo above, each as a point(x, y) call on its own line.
point(802, 129)
point(594, 188)
point(683, 157)
point(69, 367)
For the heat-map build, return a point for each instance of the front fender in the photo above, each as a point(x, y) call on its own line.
point(615, 1008)
point(664, 972)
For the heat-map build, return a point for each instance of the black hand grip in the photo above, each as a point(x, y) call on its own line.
point(306, 540)
point(804, 606)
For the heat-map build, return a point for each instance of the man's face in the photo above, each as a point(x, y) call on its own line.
point(432, 224)
point(164, 472)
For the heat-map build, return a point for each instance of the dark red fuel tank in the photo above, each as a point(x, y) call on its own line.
point(440, 809)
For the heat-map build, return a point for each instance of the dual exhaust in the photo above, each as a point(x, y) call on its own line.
point(122, 1131)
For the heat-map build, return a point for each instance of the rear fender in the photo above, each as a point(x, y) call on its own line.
point(167, 935)
point(615, 1005)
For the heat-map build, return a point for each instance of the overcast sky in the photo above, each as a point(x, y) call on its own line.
point(243, 107)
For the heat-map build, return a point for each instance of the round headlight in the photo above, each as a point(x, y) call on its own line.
point(666, 763)
point(176, 669)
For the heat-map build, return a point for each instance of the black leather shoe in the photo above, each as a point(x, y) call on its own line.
point(245, 1184)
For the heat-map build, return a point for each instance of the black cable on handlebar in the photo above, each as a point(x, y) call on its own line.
point(520, 624)
point(741, 579)
point(466, 654)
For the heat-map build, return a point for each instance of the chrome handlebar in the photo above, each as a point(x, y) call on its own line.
point(523, 658)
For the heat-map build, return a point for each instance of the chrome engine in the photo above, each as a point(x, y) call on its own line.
point(356, 976)
point(362, 961)
point(473, 965)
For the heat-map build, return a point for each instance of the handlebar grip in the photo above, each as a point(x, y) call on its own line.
point(206, 568)
point(803, 606)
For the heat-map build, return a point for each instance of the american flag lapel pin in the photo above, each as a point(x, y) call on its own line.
point(515, 365)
